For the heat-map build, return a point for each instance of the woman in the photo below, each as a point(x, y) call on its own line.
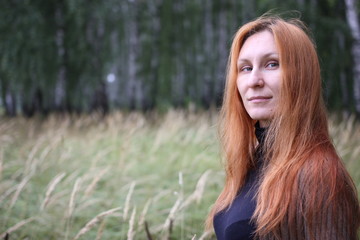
point(284, 179)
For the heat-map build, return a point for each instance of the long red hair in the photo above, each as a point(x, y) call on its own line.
point(304, 179)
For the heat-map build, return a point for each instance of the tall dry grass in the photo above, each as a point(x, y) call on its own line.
point(127, 176)
point(88, 177)
point(346, 138)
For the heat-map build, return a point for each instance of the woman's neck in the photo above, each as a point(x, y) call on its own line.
point(264, 123)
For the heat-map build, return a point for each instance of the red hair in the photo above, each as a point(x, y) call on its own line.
point(305, 190)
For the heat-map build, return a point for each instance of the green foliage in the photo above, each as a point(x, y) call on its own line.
point(163, 53)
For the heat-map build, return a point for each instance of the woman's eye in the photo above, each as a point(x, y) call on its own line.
point(246, 69)
point(272, 64)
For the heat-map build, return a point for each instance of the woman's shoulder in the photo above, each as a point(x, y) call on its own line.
point(329, 194)
point(324, 166)
point(325, 179)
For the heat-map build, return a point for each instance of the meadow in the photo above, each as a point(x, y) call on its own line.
point(122, 176)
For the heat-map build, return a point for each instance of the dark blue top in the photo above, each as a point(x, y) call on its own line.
point(234, 223)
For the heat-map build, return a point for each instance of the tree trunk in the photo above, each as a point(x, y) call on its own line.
point(352, 19)
point(156, 28)
point(208, 79)
point(7, 96)
point(223, 51)
point(10, 103)
point(345, 96)
point(343, 77)
point(33, 104)
point(61, 51)
point(96, 36)
point(100, 100)
point(132, 31)
point(178, 80)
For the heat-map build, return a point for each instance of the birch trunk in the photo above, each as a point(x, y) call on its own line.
point(223, 52)
point(61, 78)
point(150, 87)
point(208, 80)
point(132, 33)
point(178, 80)
point(8, 98)
point(352, 19)
point(10, 103)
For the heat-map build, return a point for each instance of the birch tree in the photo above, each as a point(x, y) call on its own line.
point(353, 21)
point(162, 53)
point(60, 93)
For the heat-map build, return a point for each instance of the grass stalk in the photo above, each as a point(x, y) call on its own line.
point(93, 222)
point(50, 189)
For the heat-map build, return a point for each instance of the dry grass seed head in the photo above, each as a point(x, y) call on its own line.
point(17, 226)
point(131, 232)
point(94, 182)
point(127, 201)
point(88, 226)
point(51, 188)
point(71, 207)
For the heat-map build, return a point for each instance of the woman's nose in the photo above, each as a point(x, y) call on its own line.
point(256, 78)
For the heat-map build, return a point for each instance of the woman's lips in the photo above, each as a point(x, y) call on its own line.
point(259, 99)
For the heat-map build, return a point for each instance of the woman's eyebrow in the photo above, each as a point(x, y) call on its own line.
point(245, 59)
point(272, 54)
point(242, 61)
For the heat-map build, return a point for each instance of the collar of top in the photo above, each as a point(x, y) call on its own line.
point(260, 133)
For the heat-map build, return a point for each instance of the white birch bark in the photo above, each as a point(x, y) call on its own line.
point(10, 103)
point(353, 21)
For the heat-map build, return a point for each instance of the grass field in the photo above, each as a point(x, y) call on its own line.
point(127, 176)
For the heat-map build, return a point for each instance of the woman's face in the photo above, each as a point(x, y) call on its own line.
point(259, 76)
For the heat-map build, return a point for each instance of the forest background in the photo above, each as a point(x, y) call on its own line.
point(86, 55)
point(130, 90)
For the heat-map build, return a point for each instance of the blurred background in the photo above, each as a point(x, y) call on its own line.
point(86, 55)
point(115, 134)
